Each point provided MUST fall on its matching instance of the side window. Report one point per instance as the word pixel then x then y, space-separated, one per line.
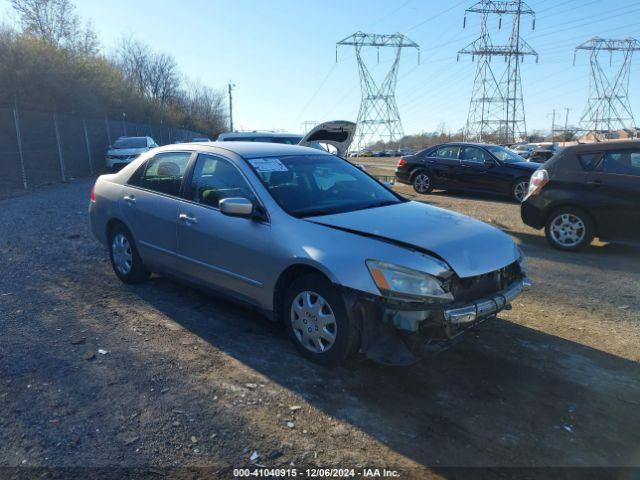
pixel 447 152
pixel 473 154
pixel 214 179
pixel 165 171
pixel 623 162
pixel 589 161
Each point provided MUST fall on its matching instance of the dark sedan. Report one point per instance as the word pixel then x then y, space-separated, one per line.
pixel 467 167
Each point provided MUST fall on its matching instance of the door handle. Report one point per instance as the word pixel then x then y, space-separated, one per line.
pixel 185 217
pixel 594 182
pixel 431 162
pixel 130 199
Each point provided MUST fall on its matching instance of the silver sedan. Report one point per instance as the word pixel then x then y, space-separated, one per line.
pixel 310 240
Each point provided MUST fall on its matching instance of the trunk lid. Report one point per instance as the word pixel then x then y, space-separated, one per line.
pixel 338 133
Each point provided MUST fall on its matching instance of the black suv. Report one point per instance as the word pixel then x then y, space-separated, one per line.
pixel 585 191
pixel 467 166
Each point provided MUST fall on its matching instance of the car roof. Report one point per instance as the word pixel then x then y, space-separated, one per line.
pixel 258 134
pixel 249 149
pixel 612 145
pixel 467 144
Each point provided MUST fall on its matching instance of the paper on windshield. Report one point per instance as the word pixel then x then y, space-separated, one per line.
pixel 265 165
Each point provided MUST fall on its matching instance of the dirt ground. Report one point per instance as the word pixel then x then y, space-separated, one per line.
pixel 158 376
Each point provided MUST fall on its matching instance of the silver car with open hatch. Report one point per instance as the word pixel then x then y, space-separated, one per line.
pixel 310 240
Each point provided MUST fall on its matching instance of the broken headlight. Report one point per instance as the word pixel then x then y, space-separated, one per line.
pixel 396 281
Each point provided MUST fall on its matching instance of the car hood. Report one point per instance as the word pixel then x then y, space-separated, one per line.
pixel 126 151
pixel 469 246
pixel 524 165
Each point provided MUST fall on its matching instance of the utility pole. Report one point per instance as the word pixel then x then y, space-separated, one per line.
pixel 496 110
pixel 608 108
pixel 378 117
pixel 553 125
pixel 231 87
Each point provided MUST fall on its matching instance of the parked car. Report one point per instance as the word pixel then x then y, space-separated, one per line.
pixel 310 240
pixel 200 139
pixel 337 134
pixel 524 150
pixel 127 149
pixel 586 191
pixel 540 155
pixel 467 167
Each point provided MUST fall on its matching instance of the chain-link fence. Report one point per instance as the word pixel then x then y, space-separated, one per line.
pixel 39 148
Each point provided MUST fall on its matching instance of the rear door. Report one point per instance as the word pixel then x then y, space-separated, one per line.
pixel 229 253
pixel 149 205
pixel 614 191
pixel 337 133
pixel 442 163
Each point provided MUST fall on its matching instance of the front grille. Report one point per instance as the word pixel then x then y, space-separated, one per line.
pixel 475 288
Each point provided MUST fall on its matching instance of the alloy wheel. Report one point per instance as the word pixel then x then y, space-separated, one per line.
pixel 422 182
pixel 568 230
pixel 520 190
pixel 122 253
pixel 313 321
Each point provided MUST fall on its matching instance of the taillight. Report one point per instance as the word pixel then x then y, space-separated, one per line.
pixel 538 180
pixel 92 197
pixel 402 162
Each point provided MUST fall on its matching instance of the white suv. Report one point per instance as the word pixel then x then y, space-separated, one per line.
pixel 127 149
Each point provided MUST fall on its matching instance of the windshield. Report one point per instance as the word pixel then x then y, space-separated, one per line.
pixel 505 155
pixel 131 142
pixel 311 185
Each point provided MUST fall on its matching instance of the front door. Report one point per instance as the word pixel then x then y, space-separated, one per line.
pixel 219 250
pixel 614 191
pixel 472 173
pixel 150 207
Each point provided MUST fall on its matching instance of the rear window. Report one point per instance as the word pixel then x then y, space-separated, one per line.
pixel 589 161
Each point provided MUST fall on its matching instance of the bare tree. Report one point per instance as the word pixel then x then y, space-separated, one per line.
pixel 155 75
pixel 55 22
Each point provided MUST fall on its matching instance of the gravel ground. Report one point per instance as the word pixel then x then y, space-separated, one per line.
pixel 94 373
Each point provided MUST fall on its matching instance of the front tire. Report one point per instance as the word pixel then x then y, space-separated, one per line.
pixel 125 260
pixel 422 182
pixel 317 322
pixel 569 229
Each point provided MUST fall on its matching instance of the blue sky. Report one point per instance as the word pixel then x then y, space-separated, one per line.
pixel 281 53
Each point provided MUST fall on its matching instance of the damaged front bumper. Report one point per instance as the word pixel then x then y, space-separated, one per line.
pixel 401 333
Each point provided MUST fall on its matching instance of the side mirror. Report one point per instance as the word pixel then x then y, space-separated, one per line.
pixel 489 163
pixel 236 207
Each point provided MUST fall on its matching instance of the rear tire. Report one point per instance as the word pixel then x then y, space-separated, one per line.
pixel 125 260
pixel 317 322
pixel 421 182
pixel 569 229
pixel 519 189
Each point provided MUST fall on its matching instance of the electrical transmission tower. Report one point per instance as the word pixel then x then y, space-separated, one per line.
pixel 608 108
pixel 496 110
pixel 378 117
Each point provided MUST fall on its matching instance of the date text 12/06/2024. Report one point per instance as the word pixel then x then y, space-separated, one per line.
pixel 316 473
